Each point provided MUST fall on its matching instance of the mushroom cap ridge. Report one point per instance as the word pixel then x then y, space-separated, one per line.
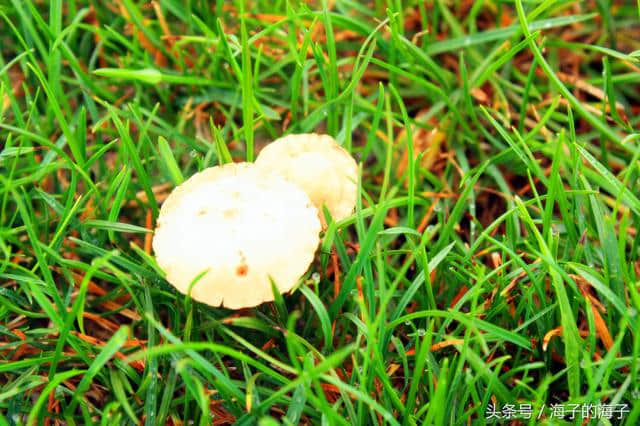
pixel 240 225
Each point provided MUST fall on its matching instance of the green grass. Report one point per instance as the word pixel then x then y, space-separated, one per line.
pixel 493 258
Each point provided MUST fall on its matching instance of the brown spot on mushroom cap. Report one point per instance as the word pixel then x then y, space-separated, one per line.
pixel 242 270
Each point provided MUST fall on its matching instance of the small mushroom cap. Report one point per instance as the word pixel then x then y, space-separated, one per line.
pixel 240 225
pixel 316 163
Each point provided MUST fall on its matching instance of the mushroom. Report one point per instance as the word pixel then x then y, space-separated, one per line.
pixel 226 232
pixel 316 163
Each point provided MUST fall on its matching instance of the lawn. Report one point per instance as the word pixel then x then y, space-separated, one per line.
pixel 490 272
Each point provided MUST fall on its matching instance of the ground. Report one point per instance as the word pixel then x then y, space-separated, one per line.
pixel 489 274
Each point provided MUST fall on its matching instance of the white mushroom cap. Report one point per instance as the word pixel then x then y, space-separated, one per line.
pixel 240 224
pixel 316 163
